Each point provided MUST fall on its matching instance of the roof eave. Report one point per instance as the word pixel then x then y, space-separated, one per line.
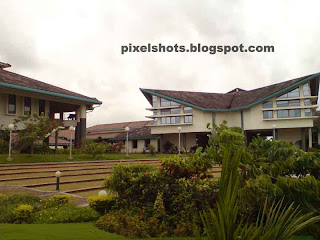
pixel 54 94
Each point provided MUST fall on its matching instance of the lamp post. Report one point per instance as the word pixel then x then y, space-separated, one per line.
pixel 179 130
pixel 102 193
pixel 274 131
pixel 127 142
pixel 11 127
pixel 71 128
pixel 58 175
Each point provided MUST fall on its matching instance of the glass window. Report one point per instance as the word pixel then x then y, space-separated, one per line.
pixel 155 121
pixel 175 120
pixel 12 104
pixel 155 112
pixel 165 120
pixel 154 101
pixel 291 94
pixel 165 111
pixel 268 104
pixel 175 111
pixel 290 103
pixel 307 102
pixel 172 103
pixel 164 102
pixel 267 114
pixel 134 143
pixel 27 106
pixel 307 112
pixel 188 119
pixel 42 107
pixel 306 90
pixel 187 110
pixel 295 113
pixel 147 142
pixel 283 113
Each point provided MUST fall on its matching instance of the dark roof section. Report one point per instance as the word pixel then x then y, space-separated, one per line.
pixel 232 100
pixel 138 133
pixel 16 81
pixel 4 65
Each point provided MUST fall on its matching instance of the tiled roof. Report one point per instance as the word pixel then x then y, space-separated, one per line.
pixel 116 131
pixel 235 99
pixel 10 78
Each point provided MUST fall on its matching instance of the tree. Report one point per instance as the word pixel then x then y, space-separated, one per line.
pixel 35 128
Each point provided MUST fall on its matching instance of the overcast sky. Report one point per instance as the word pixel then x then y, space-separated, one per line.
pixel 77 45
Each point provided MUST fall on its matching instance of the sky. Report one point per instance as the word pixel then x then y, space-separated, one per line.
pixel 77 45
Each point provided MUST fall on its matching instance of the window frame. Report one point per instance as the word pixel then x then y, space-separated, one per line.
pixel 24 106
pixel 189 110
pixel 267 111
pixel 267 102
pixel 39 105
pixel 134 144
pixel 15 104
pixel 188 117
pixel 287 95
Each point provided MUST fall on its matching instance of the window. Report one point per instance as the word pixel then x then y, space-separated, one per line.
pixel 175 120
pixel 134 143
pixel 187 110
pixel 307 102
pixel 267 114
pixel 155 121
pixel 165 112
pixel 188 119
pixel 155 112
pixel 164 102
pixel 175 111
pixel 295 113
pixel 283 113
pixel 290 103
pixel 165 120
pixel 291 94
pixel 289 113
pixel 42 107
pixel 12 104
pixel 147 143
pixel 268 104
pixel 307 112
pixel 306 90
pixel 27 106
pixel 154 101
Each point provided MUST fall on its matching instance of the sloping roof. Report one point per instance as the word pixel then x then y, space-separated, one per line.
pixel 116 131
pixel 231 101
pixel 16 81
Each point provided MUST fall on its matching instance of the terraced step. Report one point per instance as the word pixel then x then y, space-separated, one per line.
pixel 64 182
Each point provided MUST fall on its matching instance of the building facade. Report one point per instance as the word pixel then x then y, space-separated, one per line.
pixel 285 111
pixel 20 95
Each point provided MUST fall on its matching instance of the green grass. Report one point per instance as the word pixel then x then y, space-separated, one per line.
pixel 37 158
pixel 70 231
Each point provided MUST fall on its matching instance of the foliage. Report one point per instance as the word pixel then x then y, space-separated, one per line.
pixel 123 224
pixel 117 147
pixel 4 146
pixel 23 213
pixel 35 128
pixel 101 204
pixel 95 148
pixel 66 214
pixel 152 149
pixel 168 147
pixel 275 222
pixel 61 199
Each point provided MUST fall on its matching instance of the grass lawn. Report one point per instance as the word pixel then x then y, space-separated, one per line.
pixel 37 158
pixel 71 231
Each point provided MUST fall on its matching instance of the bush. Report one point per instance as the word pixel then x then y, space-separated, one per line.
pixel 4 146
pixel 152 150
pixel 62 199
pixel 66 214
pixel 124 224
pixel 101 204
pixel 95 148
pixel 23 213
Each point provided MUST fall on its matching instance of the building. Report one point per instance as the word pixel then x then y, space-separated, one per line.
pixel 139 135
pixel 285 110
pixel 21 95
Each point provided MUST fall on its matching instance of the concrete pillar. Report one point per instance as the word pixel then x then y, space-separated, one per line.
pixel 77 129
pixel 310 139
pixel 83 125
pixel 303 139
pixel 56 135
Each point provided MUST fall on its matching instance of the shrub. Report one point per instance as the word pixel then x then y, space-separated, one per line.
pixel 66 214
pixel 3 146
pixel 101 204
pixel 152 150
pixel 62 199
pixel 117 147
pixel 23 213
pixel 95 148
pixel 123 223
